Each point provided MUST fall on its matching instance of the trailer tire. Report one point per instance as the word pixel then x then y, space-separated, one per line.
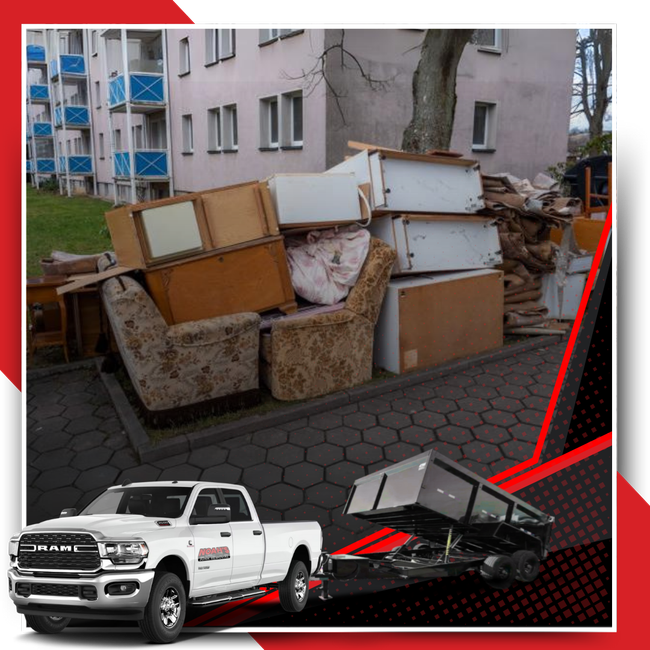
pixel 164 614
pixel 498 571
pixel 47 624
pixel 527 565
pixel 294 589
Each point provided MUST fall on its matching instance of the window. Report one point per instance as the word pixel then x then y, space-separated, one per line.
pixel 101 146
pixel 93 42
pixel 137 137
pixel 268 35
pixel 269 123
pixel 117 134
pixel 239 510
pixel 292 120
pixel 484 134
pixel 214 129
pixel 157 131
pixel 98 95
pixel 219 45
pixel 285 33
pixel 489 40
pixel 230 139
pixel 184 56
pixel 188 134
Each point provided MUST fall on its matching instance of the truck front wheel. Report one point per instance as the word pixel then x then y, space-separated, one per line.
pixel 294 589
pixel 164 614
pixel 47 624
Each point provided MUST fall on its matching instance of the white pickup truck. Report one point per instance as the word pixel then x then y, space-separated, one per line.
pixel 145 551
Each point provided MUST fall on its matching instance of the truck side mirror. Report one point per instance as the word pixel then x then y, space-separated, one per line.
pixel 68 512
pixel 217 513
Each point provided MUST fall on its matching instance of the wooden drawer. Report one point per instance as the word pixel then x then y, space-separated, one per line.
pixel 253 277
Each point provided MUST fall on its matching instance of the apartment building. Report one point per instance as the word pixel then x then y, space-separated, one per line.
pixel 136 114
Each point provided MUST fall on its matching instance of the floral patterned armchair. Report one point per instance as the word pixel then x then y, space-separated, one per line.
pixel 213 362
pixel 306 357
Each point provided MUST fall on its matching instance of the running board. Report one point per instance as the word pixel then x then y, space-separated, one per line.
pixel 215 599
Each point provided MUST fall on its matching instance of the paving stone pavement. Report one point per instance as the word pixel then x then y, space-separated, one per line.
pixel 487 418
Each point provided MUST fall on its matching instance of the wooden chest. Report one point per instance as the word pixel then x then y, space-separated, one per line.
pixel 244 278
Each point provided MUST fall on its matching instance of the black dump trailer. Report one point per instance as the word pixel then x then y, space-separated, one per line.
pixel 457 522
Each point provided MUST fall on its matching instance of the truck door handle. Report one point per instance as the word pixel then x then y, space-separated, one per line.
pixel 225 534
pixel 257 532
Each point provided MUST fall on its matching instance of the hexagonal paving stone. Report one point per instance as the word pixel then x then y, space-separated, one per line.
pixel 46 411
pixel 85 424
pixel 222 474
pixel 450 392
pixel 483 452
pixel 349 522
pixel 344 473
pixel 268 515
pixel 464 419
pixel 502 465
pixel 51 442
pixel 183 472
pixel 528 358
pixel 238 441
pixel 518 450
pixel 308 512
pixel 324 421
pixel 364 453
pixel 407 405
pixel 343 436
pixel 429 419
pixel 260 476
pixel 247 456
pixel 208 457
pixel 416 435
pixel 462 381
pixel 375 406
pixel 515 392
pixel 527 432
pixel 97 477
pixel 139 474
pixel 295 424
pixel 359 421
pixel 325 454
pixel 452 452
pixel 346 410
pixel 473 404
pixel 441 405
pixel 482 470
pixel 281 497
pixel 392 395
pixel 401 451
pixel 53 459
pixel 525 369
pixel 286 455
pixel 394 420
pixel 531 416
pixel 53 479
pixel 506 404
pixel 124 459
pixel 380 436
pixel 79 411
pixel 306 437
pixel 326 495
pixel 53 501
pixel 492 381
pixel 520 380
pixel 499 418
pixel 92 458
pixel 111 425
pixel 536 402
pixel 491 433
pixel 269 438
pixel 453 435
pixel 482 392
pixel 171 461
pixel 498 369
pixel 542 390
pixel 546 378
pixel 376 467
pixel 303 475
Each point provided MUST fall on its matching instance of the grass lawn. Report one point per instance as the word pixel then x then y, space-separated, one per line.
pixel 73 225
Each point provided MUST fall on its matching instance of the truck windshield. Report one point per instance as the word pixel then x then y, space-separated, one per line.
pixel 162 501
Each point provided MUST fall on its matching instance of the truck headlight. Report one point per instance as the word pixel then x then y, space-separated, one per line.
pixel 124 552
pixel 13 547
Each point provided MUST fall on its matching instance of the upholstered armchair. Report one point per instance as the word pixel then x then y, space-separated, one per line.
pixel 306 357
pixel 211 362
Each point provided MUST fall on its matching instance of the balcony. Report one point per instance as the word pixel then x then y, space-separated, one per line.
pixel 42 130
pixel 70 65
pixel 76 165
pixel 147 92
pixel 43 166
pixel 39 93
pixel 149 164
pixel 72 117
pixel 36 54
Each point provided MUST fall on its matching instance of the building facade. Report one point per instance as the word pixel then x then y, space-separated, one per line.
pixel 143 114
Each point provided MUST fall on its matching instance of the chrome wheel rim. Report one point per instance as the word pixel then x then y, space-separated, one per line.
pixel 300 586
pixel 55 619
pixel 170 607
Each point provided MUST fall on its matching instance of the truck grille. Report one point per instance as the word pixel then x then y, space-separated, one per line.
pixel 85 592
pixel 78 551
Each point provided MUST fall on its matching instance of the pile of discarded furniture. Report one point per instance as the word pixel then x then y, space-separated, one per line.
pixel 306 281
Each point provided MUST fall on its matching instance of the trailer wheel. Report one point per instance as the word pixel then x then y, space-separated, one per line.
pixel 294 589
pixel 527 565
pixel 498 571
pixel 47 624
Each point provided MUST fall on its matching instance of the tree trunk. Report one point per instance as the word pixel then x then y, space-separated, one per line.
pixel 434 90
pixel 602 62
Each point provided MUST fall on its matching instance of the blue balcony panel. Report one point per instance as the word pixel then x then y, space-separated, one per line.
pixel 42 129
pixel 46 166
pixel 151 164
pixel 145 88
pixel 116 91
pixel 39 93
pixel 121 163
pixel 35 54
pixel 28 166
pixel 75 164
pixel 73 65
pixel 75 117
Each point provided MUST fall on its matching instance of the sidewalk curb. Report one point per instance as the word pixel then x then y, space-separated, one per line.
pixel 42 373
pixel 148 453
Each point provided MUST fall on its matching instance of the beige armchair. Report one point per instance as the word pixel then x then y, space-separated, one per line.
pixel 306 357
pixel 212 362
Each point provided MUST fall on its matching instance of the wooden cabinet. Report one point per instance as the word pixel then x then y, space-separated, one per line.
pixel 432 319
pixel 247 277
pixel 150 234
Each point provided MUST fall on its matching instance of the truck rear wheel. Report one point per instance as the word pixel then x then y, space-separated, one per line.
pixel 47 624
pixel 164 614
pixel 294 589
pixel 498 571
pixel 527 565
